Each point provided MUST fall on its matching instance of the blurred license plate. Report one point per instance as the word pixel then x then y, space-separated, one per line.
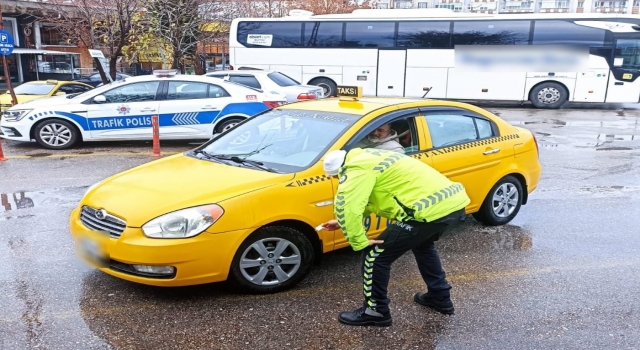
pixel 92 251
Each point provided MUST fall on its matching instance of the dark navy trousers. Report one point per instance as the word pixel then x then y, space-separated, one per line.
pixel 400 237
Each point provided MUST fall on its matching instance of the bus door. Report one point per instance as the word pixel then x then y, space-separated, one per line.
pixel 624 85
pixel 391 72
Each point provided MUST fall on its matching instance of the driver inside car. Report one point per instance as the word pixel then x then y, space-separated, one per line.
pixel 382 138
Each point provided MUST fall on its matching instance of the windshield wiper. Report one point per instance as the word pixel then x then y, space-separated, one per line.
pixel 247 155
pixel 235 159
pixel 247 161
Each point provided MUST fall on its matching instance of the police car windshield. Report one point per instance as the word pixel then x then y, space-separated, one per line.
pixel 285 140
pixel 33 89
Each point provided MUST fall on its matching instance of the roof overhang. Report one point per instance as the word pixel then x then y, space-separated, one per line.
pixel 41 52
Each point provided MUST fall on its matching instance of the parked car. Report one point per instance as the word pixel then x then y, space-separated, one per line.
pixel 190 107
pixel 272 81
pixel 95 79
pixel 243 206
pixel 33 90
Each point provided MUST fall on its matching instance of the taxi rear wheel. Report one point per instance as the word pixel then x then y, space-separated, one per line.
pixel 273 259
pixel 56 134
pixel 503 202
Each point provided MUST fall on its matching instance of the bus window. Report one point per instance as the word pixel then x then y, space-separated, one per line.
pixel 323 34
pixel 431 35
pixel 370 34
pixel 282 34
pixel 627 54
pixel 491 32
pixel 556 32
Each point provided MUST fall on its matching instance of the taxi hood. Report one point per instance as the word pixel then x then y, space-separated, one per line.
pixel 173 183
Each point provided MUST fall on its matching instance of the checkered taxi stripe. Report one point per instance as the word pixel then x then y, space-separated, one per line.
pixel 309 181
pixel 454 148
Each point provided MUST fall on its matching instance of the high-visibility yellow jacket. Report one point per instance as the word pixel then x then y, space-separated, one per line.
pixel 394 186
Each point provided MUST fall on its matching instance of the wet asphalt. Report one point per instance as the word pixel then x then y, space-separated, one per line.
pixel 564 274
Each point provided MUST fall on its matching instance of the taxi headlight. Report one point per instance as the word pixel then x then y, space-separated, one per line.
pixel 183 223
pixel 15 115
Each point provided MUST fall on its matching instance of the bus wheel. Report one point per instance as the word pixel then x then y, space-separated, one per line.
pixel 328 86
pixel 548 95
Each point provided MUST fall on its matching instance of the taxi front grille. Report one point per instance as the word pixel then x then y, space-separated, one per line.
pixel 100 220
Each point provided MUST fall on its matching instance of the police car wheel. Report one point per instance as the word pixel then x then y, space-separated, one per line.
pixel 56 134
pixel 273 259
pixel 228 124
pixel 503 202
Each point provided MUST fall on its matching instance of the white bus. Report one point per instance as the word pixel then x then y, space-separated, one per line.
pixel 401 52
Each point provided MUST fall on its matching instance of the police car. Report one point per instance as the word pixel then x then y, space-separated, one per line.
pixel 187 106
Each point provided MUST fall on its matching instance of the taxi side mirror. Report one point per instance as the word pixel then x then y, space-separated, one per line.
pixel 100 99
pixel 59 93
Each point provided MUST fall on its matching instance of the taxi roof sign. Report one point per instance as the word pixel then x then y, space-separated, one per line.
pixel 165 72
pixel 354 92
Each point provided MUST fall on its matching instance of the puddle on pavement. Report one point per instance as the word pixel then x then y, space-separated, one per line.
pixel 615 149
pixel 609 189
pixel 16 202
pixel 473 236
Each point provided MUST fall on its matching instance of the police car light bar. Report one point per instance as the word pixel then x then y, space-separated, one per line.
pixel 353 92
pixel 165 72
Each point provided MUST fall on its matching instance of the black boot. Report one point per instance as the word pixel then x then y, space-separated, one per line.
pixel 365 317
pixel 443 306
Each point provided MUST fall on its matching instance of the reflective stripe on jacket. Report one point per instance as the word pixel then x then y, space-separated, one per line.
pixel 393 186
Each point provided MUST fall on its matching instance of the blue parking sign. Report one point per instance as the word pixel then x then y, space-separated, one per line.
pixel 6 43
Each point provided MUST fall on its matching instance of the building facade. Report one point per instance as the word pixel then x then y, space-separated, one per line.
pixel 40 50
pixel 519 6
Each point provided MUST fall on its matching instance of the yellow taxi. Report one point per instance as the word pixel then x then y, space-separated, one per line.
pixel 245 205
pixel 42 88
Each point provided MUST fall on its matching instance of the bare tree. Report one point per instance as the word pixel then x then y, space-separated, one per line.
pixel 96 24
pixel 324 7
pixel 184 26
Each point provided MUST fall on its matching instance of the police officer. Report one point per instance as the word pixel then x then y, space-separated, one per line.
pixel 420 201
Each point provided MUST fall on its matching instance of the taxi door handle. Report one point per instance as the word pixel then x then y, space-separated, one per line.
pixel 495 150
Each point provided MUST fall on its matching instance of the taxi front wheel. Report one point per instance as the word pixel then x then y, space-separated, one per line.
pixel 272 259
pixel 502 203
pixel 56 134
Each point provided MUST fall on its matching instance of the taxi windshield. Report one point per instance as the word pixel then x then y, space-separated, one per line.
pixel 284 140
pixel 33 89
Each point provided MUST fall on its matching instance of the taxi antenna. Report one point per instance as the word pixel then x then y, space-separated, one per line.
pixel 426 90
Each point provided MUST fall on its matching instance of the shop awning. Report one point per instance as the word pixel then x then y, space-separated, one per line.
pixel 41 52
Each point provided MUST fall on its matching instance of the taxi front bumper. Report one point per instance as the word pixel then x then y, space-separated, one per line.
pixel 205 258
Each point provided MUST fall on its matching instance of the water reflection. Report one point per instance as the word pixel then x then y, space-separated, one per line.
pixel 473 236
pixel 25 200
